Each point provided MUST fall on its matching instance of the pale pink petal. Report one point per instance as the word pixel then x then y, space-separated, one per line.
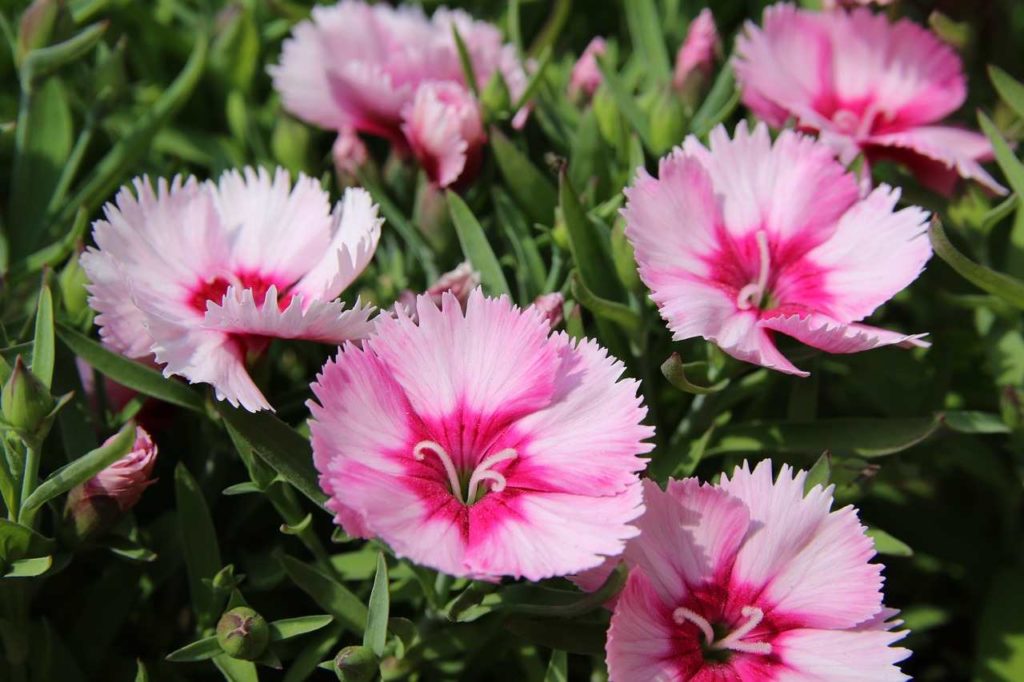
pixel 444 129
pixel 641 640
pixel 323 321
pixel 354 233
pixel 586 74
pixel 689 535
pixel 586 440
pixel 810 564
pixel 265 215
pixel 551 534
pixel 944 155
pixel 875 252
pixel 487 360
pixel 349 152
pixel 832 336
pixel 840 656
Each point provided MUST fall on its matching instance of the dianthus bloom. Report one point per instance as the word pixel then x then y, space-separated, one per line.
pixel 835 4
pixel 867 86
pixel 753 581
pixel 114 490
pixel 696 57
pixel 750 238
pixel 475 443
pixel 392 72
pixel 200 275
pixel 586 73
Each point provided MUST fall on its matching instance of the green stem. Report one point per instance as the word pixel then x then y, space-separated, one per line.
pixel 291 513
pixel 29 481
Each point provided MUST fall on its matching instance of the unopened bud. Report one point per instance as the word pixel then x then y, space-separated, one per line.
pixel 35 26
pixel 696 58
pixel 72 282
pixel 586 73
pixel 550 305
pixel 356 664
pixel 668 121
pixel 349 154
pixel 26 402
pixel 96 504
pixel 243 633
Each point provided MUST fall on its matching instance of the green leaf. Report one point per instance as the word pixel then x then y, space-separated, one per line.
pixel 475 246
pixel 820 473
pixel 42 342
pixel 242 489
pixel 887 544
pixel 29 568
pixel 130 373
pixel 81 469
pixel 531 189
pixel 235 670
pixel 375 636
pixel 612 311
pixel 296 627
pixel 409 233
pixel 279 445
pixel 1009 289
pixel 592 260
pixel 556 21
pixel 844 436
pixel 675 370
pixel 964 421
pixel 716 107
pixel 535 80
pixel 200 650
pixel 1010 90
pixel 466 62
pixel 18 542
pixel 44 61
pixel 1000 653
pixel 141 674
pixel 332 596
pixel 625 101
pixel 648 39
pixel 110 171
pixel 199 546
pixel 584 637
pixel 1012 168
pixel 129 549
pixel 558 668
pixel 42 142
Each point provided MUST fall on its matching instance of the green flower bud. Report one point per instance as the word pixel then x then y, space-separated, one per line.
pixel 26 402
pixel 243 633
pixel 623 259
pixel 72 282
pixel 668 121
pixel 356 664
pixel 609 120
pixel 35 26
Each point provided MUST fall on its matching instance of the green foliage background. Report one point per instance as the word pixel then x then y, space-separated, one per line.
pixel 929 444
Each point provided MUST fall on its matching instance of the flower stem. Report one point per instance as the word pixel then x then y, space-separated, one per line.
pixel 29 480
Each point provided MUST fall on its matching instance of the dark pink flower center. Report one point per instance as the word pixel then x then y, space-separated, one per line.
pixel 719 643
pixel 467 485
pixel 215 289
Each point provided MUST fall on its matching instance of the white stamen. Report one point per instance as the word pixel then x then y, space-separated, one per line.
pixel 732 641
pixel 481 473
pixel 752 294
pixel 446 461
pixel 683 614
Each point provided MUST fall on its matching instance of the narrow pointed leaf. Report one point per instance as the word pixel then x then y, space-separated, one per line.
pixel 648 39
pixel 331 595
pixel 888 545
pixel 1008 288
pixel 534 192
pixel 295 627
pixel 29 568
pixel 612 311
pixel 1010 90
pixel 130 373
pixel 199 546
pixel 375 636
pixel 200 650
pixel 475 246
pixel 558 668
pixel 675 370
pixel 592 260
pixel 42 342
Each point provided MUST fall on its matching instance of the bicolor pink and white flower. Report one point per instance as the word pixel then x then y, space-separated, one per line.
pixel 364 67
pixel 200 275
pixel 125 480
pixel 695 60
pixel 476 443
pixel 751 580
pixel 586 73
pixel 866 86
pixel 751 237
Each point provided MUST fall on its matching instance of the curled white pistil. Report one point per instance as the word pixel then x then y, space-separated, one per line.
pixel 753 294
pixel 734 640
pixel 482 472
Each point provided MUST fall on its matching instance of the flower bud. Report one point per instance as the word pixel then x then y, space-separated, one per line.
pixel 72 282
pixel 26 403
pixel 349 154
pixel 696 58
pixel 550 305
pixel 586 73
pixel 459 282
pixel 243 633
pixel 35 27
pixel 94 505
pixel 356 664
pixel 609 119
pixel 668 121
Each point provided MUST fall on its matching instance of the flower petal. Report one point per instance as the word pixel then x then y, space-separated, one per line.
pixel 840 656
pixel 832 336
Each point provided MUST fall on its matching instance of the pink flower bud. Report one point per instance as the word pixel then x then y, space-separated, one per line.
pixel 459 282
pixel 349 153
pixel 696 57
pixel 550 305
pixel 837 4
pixel 586 74
pixel 445 130
pixel 113 491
